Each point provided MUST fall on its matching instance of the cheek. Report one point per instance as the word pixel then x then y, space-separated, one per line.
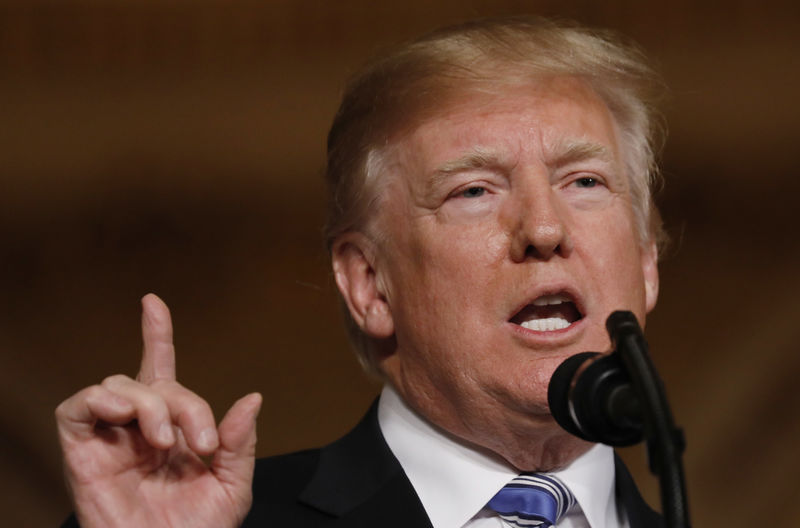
pixel 456 258
pixel 613 250
pixel 441 285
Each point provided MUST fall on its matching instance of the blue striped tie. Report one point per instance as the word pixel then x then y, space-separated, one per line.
pixel 532 499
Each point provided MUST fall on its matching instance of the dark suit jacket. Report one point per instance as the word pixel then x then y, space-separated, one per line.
pixel 356 481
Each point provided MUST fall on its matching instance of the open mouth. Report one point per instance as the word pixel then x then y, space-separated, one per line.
pixel 548 313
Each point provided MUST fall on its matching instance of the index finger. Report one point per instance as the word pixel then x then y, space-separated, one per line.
pixel 158 356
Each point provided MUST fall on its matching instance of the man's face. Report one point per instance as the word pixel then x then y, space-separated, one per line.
pixel 508 239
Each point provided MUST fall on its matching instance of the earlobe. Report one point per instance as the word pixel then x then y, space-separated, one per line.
pixel 650 273
pixel 357 280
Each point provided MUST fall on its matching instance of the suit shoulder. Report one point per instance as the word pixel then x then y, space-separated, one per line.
pixel 284 474
pixel 277 483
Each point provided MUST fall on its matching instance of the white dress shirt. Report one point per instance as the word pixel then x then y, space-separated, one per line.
pixel 454 481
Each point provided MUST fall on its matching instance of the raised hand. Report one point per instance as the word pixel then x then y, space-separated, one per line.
pixel 132 448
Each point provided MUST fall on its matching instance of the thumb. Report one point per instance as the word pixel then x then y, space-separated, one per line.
pixel 234 460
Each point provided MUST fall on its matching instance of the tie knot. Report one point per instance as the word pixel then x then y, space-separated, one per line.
pixel 532 499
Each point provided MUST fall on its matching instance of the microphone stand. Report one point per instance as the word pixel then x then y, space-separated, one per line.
pixel 665 442
pixel 617 399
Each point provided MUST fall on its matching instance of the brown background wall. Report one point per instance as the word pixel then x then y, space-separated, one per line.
pixel 176 147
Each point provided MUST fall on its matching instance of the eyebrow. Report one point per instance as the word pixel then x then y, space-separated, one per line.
pixel 478 158
pixel 574 151
pixel 566 152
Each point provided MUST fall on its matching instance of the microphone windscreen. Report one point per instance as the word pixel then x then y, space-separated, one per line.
pixel 558 392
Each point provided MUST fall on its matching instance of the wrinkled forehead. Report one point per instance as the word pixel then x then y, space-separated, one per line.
pixel 552 118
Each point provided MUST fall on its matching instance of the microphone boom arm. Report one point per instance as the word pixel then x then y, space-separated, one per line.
pixel 665 442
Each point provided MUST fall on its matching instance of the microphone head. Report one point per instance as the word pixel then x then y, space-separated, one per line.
pixel 559 392
pixel 591 397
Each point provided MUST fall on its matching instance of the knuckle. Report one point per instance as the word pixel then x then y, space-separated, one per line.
pixel 76 406
pixel 115 380
pixel 196 406
pixel 63 408
pixel 94 392
pixel 181 400
pixel 153 405
pixel 60 411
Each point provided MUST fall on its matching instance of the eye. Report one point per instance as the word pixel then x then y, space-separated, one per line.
pixel 474 192
pixel 587 190
pixel 586 182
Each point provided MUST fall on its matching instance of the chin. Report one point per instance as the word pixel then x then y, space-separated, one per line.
pixel 551 454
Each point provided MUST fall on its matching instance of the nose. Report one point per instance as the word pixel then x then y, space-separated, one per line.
pixel 540 232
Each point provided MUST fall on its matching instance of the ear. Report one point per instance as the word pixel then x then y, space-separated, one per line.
pixel 357 280
pixel 650 273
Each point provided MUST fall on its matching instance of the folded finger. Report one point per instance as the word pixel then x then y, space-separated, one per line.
pixel 77 416
pixel 150 409
pixel 192 414
pixel 162 405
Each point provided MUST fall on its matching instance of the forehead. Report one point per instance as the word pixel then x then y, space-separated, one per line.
pixel 545 119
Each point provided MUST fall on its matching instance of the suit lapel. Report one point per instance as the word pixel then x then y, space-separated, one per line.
pixel 359 481
pixel 639 513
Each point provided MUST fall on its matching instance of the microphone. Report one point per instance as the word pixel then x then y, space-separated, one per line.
pixel 591 396
pixel 618 399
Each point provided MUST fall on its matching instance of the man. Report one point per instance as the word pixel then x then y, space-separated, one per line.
pixel 489 208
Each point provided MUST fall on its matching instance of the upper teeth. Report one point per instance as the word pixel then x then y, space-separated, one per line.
pixel 545 300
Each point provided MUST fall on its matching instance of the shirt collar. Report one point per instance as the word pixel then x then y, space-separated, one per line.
pixel 454 481
pixel 590 477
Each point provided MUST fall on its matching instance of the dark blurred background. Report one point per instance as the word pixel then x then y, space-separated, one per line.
pixel 177 147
